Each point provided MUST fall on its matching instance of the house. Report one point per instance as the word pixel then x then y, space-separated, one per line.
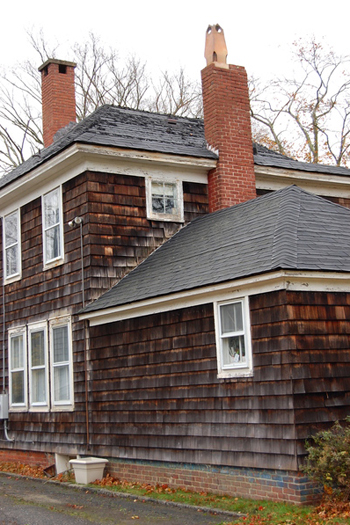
pixel 190 348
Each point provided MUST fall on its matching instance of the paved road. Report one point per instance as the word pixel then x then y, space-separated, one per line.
pixel 26 501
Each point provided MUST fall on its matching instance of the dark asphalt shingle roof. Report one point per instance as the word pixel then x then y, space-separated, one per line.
pixel 287 229
pixel 265 157
pixel 126 128
pixel 140 130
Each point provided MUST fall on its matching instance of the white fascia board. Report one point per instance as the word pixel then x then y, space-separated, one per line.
pixel 279 280
pixel 82 157
pixel 327 185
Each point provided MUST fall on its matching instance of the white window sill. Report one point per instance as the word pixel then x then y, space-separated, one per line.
pixel 13 279
pixel 53 264
pixel 235 374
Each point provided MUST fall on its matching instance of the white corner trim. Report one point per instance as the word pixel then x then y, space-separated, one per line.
pixel 268 282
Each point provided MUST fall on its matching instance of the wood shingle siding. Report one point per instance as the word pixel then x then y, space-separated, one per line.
pixel 154 381
pixel 117 236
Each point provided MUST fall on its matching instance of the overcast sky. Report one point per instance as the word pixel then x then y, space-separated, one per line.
pixel 171 34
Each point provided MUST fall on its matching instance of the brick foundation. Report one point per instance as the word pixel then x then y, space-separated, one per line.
pixel 292 487
pixel 274 485
pixel 27 457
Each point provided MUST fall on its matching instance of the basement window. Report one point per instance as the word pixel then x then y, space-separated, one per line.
pixel 164 200
pixel 234 354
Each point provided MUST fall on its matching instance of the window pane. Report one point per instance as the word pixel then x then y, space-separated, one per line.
pixel 38 386
pixel 11 260
pixel 53 244
pixel 61 383
pixel 52 209
pixel 233 350
pixel 231 318
pixel 60 344
pixel 17 352
pixel 163 197
pixel 11 229
pixel 37 341
pixel 17 385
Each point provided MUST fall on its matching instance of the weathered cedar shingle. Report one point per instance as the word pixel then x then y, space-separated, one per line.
pixel 287 229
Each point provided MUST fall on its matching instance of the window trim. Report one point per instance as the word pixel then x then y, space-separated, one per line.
pixel 14 332
pixel 38 406
pixel 69 403
pixel 176 217
pixel 239 370
pixel 17 275
pixel 50 263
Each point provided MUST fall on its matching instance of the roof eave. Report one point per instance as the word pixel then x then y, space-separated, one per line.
pixel 257 284
pixel 79 157
pixel 270 178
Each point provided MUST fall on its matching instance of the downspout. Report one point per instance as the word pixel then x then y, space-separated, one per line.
pixel 78 221
pixel 86 349
pixel 3 350
pixel 3 337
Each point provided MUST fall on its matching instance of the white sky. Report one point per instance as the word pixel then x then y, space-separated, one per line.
pixel 169 34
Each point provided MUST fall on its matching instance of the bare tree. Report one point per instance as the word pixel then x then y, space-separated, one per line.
pixel 101 78
pixel 307 116
pixel 177 94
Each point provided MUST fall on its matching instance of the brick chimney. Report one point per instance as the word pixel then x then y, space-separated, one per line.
pixel 58 97
pixel 227 125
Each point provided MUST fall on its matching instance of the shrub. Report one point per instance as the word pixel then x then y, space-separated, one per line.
pixel 328 460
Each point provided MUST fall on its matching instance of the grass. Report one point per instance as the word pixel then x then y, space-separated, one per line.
pixel 253 512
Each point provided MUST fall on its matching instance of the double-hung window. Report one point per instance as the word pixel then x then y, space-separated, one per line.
pixel 12 245
pixel 18 368
pixel 233 339
pixel 164 200
pixel 52 227
pixel 38 370
pixel 61 364
pixel 41 366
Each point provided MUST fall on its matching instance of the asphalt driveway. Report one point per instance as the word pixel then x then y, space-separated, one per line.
pixel 25 501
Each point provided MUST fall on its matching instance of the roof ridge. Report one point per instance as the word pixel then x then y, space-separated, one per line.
pixel 285 236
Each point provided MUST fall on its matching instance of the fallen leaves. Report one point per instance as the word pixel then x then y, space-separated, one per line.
pixel 23 470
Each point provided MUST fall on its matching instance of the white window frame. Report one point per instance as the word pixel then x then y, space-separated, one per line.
pixel 49 263
pixel 239 369
pixel 16 332
pixel 178 215
pixel 17 274
pixel 66 404
pixel 38 405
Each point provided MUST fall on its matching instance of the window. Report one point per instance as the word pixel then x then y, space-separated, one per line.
pixel 164 200
pixel 233 339
pixel 35 386
pixel 17 368
pixel 38 375
pixel 12 247
pixel 61 365
pixel 52 227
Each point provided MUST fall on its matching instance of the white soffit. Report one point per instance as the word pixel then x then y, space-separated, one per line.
pixel 79 158
pixel 323 184
pixel 269 282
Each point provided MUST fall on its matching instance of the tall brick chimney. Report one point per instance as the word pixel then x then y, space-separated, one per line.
pixel 58 97
pixel 227 125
